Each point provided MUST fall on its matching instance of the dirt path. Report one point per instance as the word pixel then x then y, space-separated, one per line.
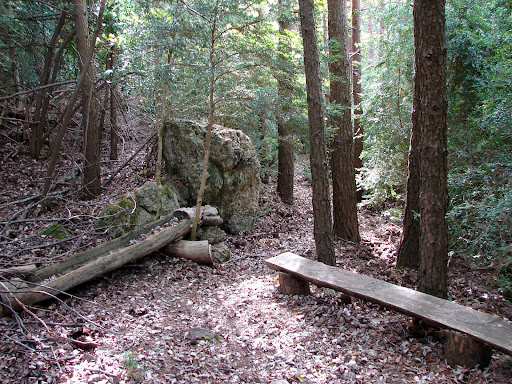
pixel 171 321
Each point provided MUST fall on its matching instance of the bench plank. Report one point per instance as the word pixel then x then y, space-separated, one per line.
pixel 484 327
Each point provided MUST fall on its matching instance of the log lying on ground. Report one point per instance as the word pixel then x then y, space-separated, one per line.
pixel 85 266
pixel 81 258
pixel 197 251
pixel 23 271
pixel 33 294
pixel 209 216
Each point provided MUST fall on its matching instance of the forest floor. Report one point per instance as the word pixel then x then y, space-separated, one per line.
pixel 165 320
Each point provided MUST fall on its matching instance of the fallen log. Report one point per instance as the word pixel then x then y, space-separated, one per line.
pixel 34 293
pixel 23 271
pixel 82 258
pixel 209 216
pixel 197 251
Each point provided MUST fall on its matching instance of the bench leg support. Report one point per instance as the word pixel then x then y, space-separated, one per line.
pixel 465 351
pixel 289 285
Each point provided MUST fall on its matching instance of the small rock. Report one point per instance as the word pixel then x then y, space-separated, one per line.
pixel 196 334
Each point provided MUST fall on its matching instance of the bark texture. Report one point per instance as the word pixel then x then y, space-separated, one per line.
pixel 430 105
pixel 114 136
pixel 409 250
pixel 324 238
pixel 342 164
pixel 197 251
pixel 91 178
pixel 465 351
pixel 18 296
pixel 356 88
pixel 289 285
pixel 285 165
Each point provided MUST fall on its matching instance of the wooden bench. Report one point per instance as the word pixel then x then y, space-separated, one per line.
pixel 484 330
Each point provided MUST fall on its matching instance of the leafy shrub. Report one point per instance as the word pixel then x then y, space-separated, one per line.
pixel 480 216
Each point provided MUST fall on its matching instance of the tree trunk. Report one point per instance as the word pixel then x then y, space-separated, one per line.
pixel 91 173
pixel 285 164
pixel 409 250
pixel 68 114
pixel 430 105
pixel 466 351
pixel 81 258
pixel 324 238
pixel 211 120
pixel 114 135
pixel 342 158
pixel 356 88
pixel 36 136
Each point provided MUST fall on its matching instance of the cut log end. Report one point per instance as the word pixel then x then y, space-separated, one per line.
pixel 289 285
pixel 197 251
pixel 466 351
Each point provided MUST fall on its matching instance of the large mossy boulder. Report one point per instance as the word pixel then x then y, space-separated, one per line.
pixel 233 181
pixel 135 210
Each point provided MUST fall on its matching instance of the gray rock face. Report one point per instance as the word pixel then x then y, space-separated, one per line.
pixel 147 197
pixel 233 181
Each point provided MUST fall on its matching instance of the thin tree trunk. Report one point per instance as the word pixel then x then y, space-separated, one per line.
pixel 56 69
pixel 104 108
pixel 342 158
pixel 324 238
pixel 70 107
pixel 36 136
pixel 211 119
pixel 114 135
pixel 285 165
pixel 430 104
pixel 356 88
pixel 91 172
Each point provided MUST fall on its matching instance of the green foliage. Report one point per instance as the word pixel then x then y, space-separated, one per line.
pixel 479 41
pixel 57 231
pixel 26 27
pixel 480 117
pixel 134 369
pixel 505 279
pixel 387 99
pixel 480 54
pixel 480 216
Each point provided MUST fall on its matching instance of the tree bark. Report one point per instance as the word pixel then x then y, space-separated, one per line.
pixel 114 135
pixel 55 148
pixel 409 249
pixel 91 172
pixel 356 88
pixel 290 285
pixel 36 136
pixel 285 165
pixel 81 258
pixel 430 105
pixel 466 351
pixel 323 233
pixel 197 251
pixel 342 158
pixel 95 268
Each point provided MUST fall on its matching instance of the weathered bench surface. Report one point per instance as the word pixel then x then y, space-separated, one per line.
pixel 489 329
